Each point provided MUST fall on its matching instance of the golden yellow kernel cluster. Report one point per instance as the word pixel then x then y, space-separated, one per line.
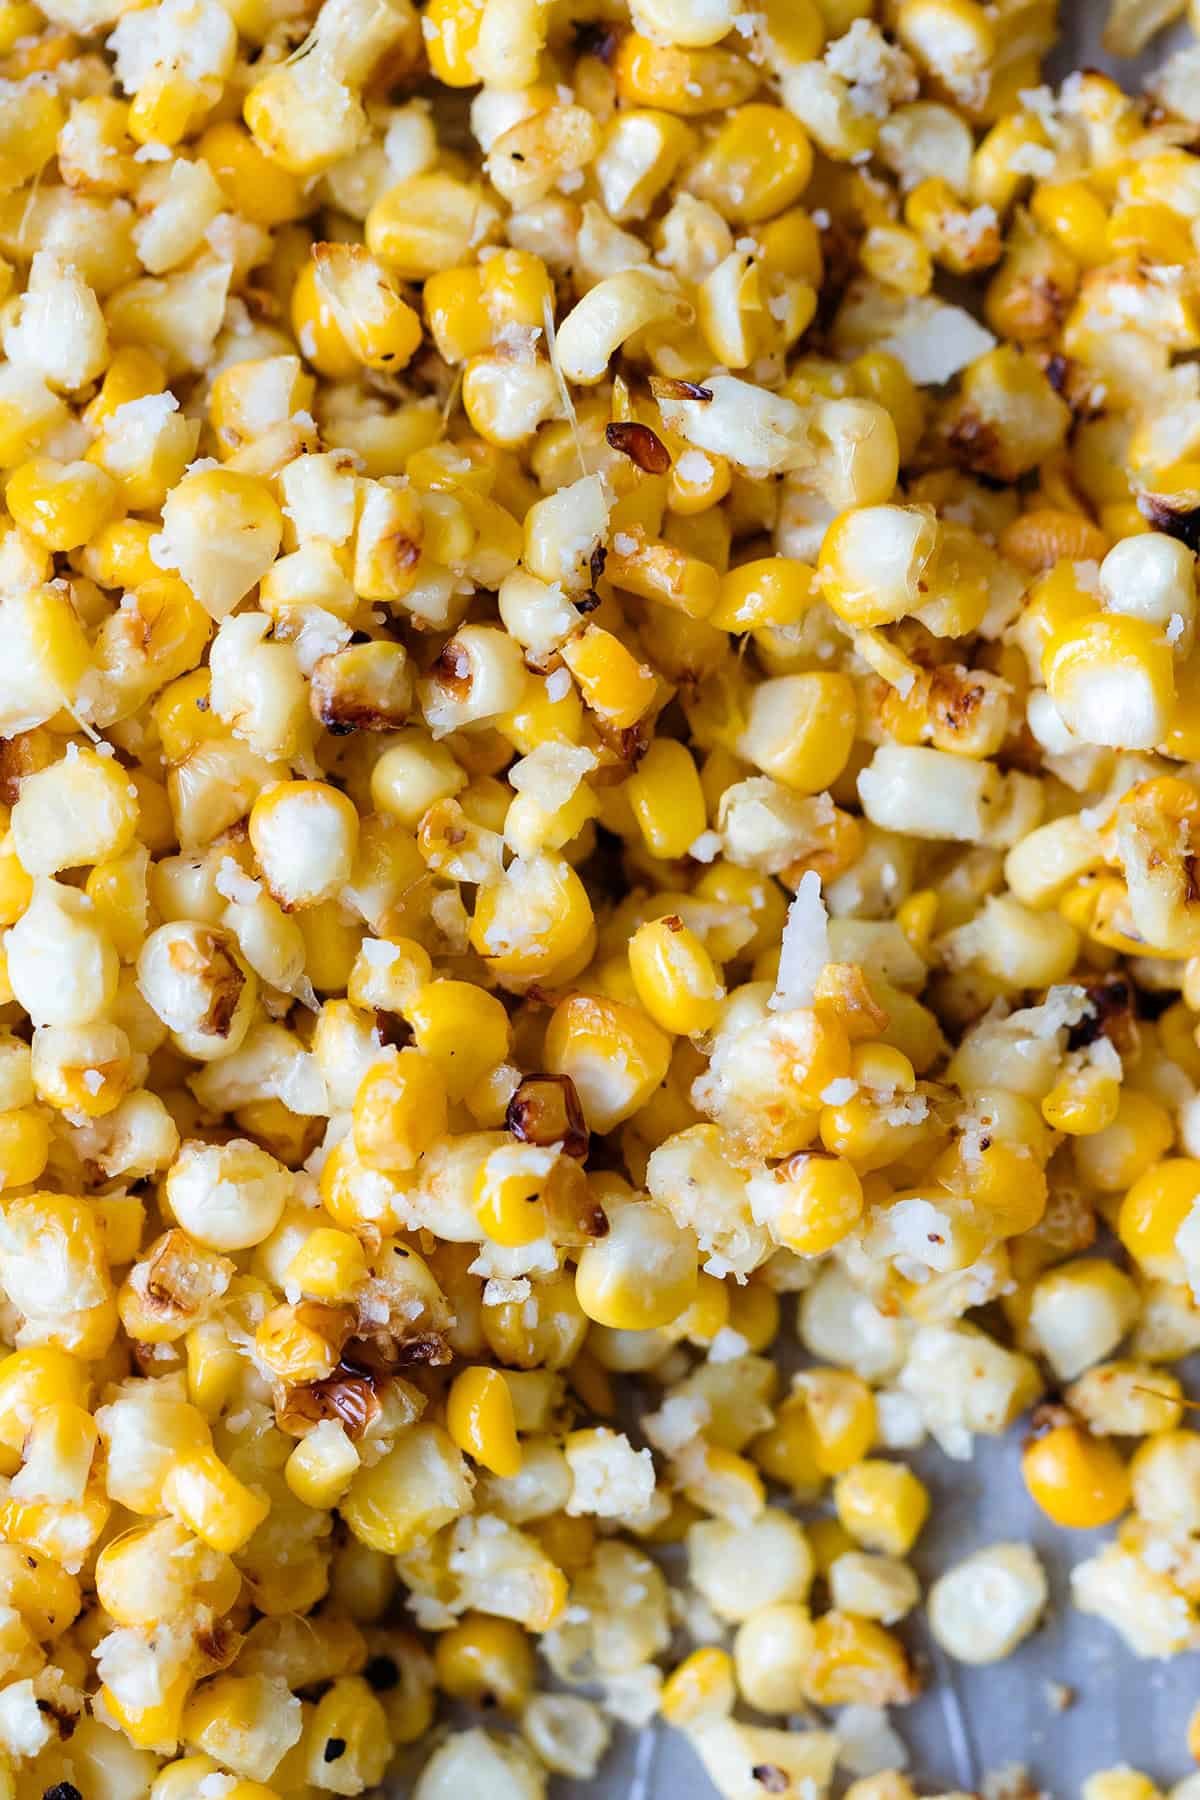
pixel 599 763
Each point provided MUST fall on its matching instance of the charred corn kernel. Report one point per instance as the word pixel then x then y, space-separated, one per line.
pixel 882 1505
pixel 301 1342
pixel 674 976
pixel 700 1687
pixel 480 1419
pixel 1077 1480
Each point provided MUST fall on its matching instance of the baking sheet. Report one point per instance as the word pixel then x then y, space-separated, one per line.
pixel 975 1723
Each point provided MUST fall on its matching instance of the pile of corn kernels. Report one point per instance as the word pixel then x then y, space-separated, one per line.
pixel 599 680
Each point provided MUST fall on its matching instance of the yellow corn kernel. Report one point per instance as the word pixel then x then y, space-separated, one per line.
pixel 613 1053
pixel 254 186
pixel 1073 213
pixel 208 1498
pixel 419 1486
pixel 213 1367
pixel 642 1275
pixel 24 1146
pixel 674 976
pixel 690 82
pixel 841 1412
pixel 708 1314
pixel 480 1420
pixel 61 505
pixel 428 222
pixel 33 1379
pixel 1079 663
pixel 1152 1211
pixel 659 571
pixel 16 886
pixel 882 377
pixel 1141 228
pixel 1082 1102
pixel 462 1029
pixel 155 1727
pixel 29 126
pixel 773 591
pixel 317 331
pixel 1078 1480
pixel 485 1661
pixel 883 1505
pixel 452 34
pixel 507 1196
pixel 535 922
pixel 459 322
pixel 898 258
pixel 329 1265
pixel 787 1450
pixel 380 327
pixel 754 1313
pixel 700 1687
pixel 322 1466
pixel 854 1661
pixel 166 109
pixel 667 799
pixel 758 164
pixel 809 1202
pixel 399 1110
pixel 950 230
pixel 613 682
